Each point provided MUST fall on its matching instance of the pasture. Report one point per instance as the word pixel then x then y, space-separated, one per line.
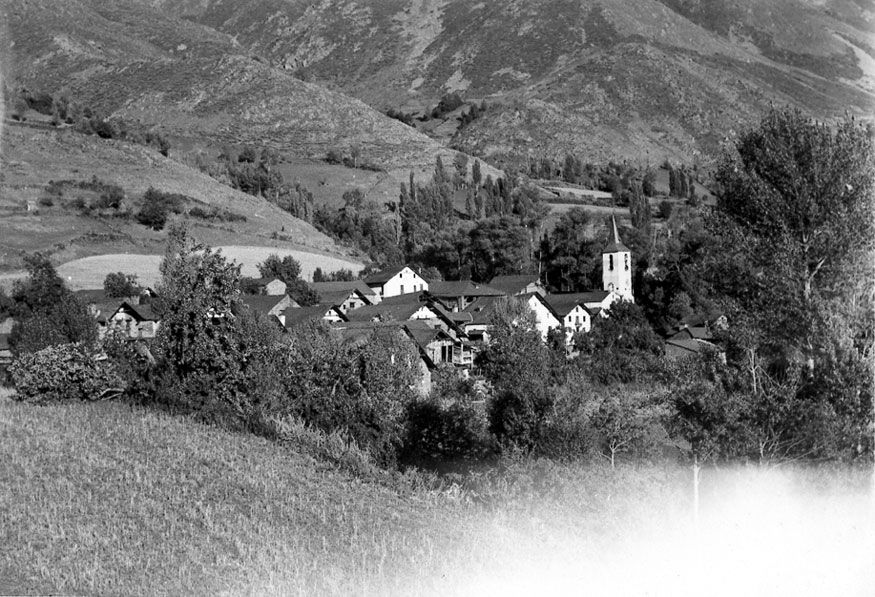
pixel 89 272
pixel 108 499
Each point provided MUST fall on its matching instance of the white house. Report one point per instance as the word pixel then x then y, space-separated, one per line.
pixel 546 317
pixel 571 307
pixel 397 281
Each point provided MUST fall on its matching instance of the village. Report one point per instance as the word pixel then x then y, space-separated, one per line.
pixel 447 321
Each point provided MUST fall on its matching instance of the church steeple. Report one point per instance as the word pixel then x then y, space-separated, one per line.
pixel 617 266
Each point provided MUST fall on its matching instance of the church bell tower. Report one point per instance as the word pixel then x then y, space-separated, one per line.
pixel 617 266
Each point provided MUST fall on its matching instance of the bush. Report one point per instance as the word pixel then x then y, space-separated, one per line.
pixel 62 372
pixel 437 432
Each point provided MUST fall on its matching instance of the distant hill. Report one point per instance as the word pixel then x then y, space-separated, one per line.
pixel 606 79
pixel 34 155
pixel 199 87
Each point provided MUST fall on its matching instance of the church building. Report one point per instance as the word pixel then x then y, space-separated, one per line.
pixel 617 267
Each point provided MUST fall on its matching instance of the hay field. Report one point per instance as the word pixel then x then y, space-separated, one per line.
pixel 104 498
pixel 89 272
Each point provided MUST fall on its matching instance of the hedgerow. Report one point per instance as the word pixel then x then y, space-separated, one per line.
pixel 63 372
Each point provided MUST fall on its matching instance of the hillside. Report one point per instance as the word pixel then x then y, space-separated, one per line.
pixel 199 87
pixel 32 156
pixel 108 499
pixel 606 79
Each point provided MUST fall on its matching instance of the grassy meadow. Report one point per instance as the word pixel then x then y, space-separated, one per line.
pixel 108 499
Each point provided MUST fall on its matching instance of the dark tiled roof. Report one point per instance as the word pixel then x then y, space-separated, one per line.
pixel 263 303
pixel 384 276
pixel 594 296
pixel 693 333
pixel 140 312
pixel 300 315
pixel 324 288
pixel 462 288
pixel 338 297
pixel 511 285
pixel 482 308
pixel 564 304
pixel 397 308
pixel 616 245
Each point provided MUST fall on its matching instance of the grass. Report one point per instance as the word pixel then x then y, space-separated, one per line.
pixel 107 499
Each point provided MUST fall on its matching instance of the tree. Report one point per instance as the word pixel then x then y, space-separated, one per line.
pixel 120 284
pixel 621 347
pixel 499 246
pixel 198 350
pixel 288 270
pixel 47 313
pixel 518 364
pixel 476 174
pixel 623 420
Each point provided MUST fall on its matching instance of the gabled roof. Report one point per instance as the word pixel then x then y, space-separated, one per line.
pixel 594 296
pixel 296 316
pixel 528 296
pixel 462 288
pixel 511 285
pixel 266 281
pixel 338 297
pixel 263 303
pixel 324 288
pixel 140 312
pixel 565 303
pixel 481 309
pixel 615 246
pixel 693 333
pixel 384 276
pixel 395 308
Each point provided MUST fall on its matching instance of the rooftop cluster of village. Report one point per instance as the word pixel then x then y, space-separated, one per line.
pixel 449 321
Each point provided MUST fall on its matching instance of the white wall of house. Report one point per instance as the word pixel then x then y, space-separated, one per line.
pixel 545 318
pixel 404 282
pixel 578 320
pixel 605 303
pixel 275 288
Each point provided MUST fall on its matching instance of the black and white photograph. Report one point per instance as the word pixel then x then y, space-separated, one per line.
pixel 400 298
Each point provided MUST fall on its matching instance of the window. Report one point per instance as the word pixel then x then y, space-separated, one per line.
pixel 627 262
pixel 402 289
pixel 611 262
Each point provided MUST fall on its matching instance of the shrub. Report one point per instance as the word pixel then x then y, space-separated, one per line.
pixel 436 432
pixel 665 209
pixel 63 372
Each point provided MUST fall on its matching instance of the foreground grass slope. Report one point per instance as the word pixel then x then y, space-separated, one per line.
pixel 103 499
pixel 106 499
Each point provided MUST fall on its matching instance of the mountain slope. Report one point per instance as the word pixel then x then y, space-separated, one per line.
pixel 605 78
pixel 198 86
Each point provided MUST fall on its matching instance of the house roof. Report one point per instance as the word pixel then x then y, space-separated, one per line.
pixel 262 303
pixel 616 245
pixel 691 346
pixel 565 303
pixel 384 276
pixel 540 298
pixel 296 316
pixel 141 312
pixel 324 288
pixel 6 325
pixel 338 297
pixel 594 296
pixel 511 285
pixel 481 309
pixel 266 281
pixel 397 308
pixel 462 288
pixel 693 333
